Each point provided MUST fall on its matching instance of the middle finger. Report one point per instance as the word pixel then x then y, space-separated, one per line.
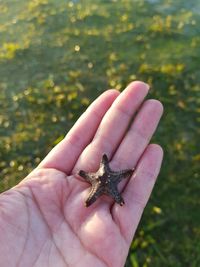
pixel 113 126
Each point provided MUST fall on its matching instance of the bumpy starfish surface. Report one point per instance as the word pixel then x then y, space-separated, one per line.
pixel 105 181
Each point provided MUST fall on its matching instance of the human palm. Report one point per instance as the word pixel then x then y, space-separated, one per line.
pixel 43 220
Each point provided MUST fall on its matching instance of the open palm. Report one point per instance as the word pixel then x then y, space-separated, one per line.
pixel 43 220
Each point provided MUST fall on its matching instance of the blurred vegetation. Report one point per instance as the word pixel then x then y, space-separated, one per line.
pixel 57 56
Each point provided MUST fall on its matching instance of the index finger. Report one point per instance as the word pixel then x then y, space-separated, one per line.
pixel 64 155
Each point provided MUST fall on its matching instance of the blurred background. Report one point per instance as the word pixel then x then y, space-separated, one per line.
pixel 57 56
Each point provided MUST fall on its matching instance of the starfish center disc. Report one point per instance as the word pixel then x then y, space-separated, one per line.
pixel 104 179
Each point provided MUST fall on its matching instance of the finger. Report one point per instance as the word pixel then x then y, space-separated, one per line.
pixel 137 191
pixel 138 136
pixel 64 155
pixel 113 126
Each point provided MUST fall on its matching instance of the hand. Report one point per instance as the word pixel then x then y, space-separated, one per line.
pixel 43 220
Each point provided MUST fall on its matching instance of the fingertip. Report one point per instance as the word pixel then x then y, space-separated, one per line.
pixel 156 104
pixel 140 85
pixel 156 151
pixel 132 97
pixel 111 92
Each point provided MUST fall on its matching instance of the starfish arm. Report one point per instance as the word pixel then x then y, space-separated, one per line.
pixel 96 191
pixel 119 176
pixel 85 175
pixel 104 160
pixel 114 193
pixel 104 165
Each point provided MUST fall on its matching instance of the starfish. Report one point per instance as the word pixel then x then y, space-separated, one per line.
pixel 105 181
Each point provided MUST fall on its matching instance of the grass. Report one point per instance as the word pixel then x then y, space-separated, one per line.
pixel 57 56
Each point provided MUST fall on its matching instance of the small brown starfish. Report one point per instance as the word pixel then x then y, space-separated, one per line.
pixel 104 181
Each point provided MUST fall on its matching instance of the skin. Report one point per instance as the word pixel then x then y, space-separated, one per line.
pixel 43 221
